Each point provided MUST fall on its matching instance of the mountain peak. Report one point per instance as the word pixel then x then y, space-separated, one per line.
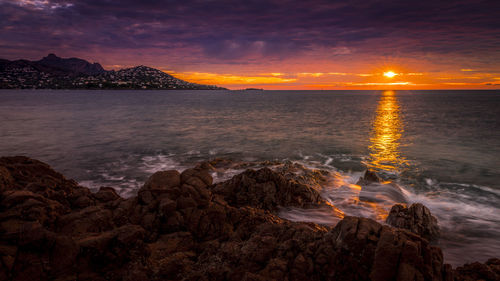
pixel 72 64
pixel 53 72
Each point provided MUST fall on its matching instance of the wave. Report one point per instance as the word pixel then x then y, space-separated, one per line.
pixel 468 214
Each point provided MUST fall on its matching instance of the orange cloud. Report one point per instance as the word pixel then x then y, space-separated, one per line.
pixel 229 79
pixel 380 84
pixel 353 79
pixel 309 74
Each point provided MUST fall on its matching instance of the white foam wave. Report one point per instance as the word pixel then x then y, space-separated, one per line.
pixel 160 162
pixel 468 215
pixel 319 215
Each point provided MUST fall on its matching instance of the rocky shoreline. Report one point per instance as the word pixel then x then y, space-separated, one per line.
pixel 182 226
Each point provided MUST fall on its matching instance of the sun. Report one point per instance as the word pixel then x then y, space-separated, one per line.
pixel 390 74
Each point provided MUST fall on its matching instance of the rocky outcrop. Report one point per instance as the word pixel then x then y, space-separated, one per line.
pixel 489 271
pixel 182 227
pixel 370 176
pixel 417 219
pixel 266 189
pixel 72 65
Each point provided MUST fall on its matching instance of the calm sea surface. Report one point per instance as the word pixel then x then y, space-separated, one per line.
pixel 441 148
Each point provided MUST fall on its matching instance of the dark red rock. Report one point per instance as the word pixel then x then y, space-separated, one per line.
pixel 266 189
pixel 417 219
pixel 6 180
pixel 106 194
pixel 199 177
pixel 370 176
pixel 489 271
pixel 182 227
pixel 163 180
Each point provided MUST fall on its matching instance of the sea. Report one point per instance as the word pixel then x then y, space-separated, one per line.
pixel 439 148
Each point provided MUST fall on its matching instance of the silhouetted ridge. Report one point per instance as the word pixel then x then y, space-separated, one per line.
pixel 72 64
pixel 53 72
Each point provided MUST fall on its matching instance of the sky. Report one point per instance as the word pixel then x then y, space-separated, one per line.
pixel 314 44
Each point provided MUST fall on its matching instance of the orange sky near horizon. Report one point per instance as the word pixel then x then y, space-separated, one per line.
pixel 309 45
pixel 348 73
pixel 335 80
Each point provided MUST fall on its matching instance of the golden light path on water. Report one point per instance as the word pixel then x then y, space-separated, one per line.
pixel 387 130
pixel 350 196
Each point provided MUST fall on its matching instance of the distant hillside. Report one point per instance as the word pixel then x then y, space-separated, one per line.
pixel 72 64
pixel 53 72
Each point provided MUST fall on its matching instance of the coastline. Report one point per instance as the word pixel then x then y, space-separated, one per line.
pixel 181 226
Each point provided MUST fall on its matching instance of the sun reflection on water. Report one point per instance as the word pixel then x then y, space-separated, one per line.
pixel 387 130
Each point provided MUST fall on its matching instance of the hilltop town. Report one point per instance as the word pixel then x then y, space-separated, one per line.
pixel 53 72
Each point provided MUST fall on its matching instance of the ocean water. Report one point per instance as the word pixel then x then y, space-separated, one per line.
pixel 440 148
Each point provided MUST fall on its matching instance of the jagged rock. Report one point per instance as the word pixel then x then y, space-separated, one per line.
pixel 301 174
pixel 163 180
pixel 6 179
pixel 417 219
pixel 106 194
pixel 178 229
pixel 489 271
pixel 370 176
pixel 266 189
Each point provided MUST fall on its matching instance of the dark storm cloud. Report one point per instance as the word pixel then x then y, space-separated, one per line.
pixel 231 31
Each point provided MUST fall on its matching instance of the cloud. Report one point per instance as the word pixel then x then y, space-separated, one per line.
pixel 379 84
pixel 230 79
pixel 296 38
pixel 257 29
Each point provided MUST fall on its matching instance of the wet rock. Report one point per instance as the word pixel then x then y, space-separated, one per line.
pixel 417 219
pixel 174 266
pixel 266 189
pixel 299 173
pixel 163 180
pixel 182 227
pixel 369 177
pixel 201 172
pixel 167 206
pixel 489 271
pixel 6 179
pixel 106 194
pixel 393 254
pixel 90 219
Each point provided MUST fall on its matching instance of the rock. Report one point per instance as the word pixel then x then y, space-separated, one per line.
pixel 145 197
pixel 171 243
pixel 31 206
pixel 201 172
pixel 106 194
pixel 167 206
pixel 266 189
pixel 173 266
pixel 64 255
pixel 37 177
pixel 91 219
pixel 299 173
pixel 393 254
pixel 489 271
pixel 6 179
pixel 206 166
pixel 417 219
pixel 181 226
pixel 163 180
pixel 370 176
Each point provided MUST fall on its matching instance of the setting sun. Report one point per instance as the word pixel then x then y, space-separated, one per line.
pixel 390 74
